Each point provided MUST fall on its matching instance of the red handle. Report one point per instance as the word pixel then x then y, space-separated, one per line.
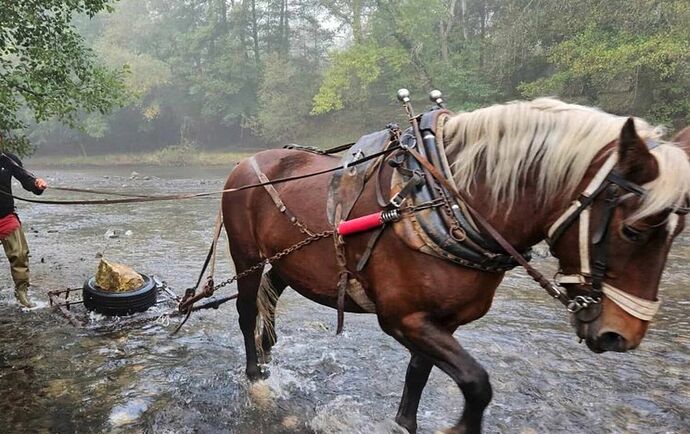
pixel 360 224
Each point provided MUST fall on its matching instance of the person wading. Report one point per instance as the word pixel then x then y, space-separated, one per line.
pixel 11 233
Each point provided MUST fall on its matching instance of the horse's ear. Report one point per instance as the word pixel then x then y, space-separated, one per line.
pixel 635 162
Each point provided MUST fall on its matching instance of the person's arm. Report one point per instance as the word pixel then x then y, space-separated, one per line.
pixel 26 178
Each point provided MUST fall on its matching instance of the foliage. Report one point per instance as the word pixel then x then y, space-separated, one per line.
pixel 45 66
pixel 282 106
pixel 626 57
pixel 351 74
pixel 214 73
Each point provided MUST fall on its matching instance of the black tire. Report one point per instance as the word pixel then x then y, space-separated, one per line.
pixel 119 303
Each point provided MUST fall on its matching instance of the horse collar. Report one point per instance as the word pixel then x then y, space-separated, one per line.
pixel 448 231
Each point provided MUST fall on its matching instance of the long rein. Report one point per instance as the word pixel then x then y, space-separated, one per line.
pixel 551 289
pixel 138 198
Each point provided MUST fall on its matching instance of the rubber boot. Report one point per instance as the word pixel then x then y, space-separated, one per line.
pixel 22 296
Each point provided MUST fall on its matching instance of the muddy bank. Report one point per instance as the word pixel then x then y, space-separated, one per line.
pixel 59 379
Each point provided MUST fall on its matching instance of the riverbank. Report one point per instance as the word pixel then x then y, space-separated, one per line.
pixel 166 157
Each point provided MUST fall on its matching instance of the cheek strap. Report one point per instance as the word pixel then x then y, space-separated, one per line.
pixel 638 307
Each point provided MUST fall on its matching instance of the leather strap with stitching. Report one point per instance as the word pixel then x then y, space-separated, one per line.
pixel 534 273
pixel 271 190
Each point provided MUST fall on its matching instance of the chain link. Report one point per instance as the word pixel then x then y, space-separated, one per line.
pixel 272 259
pixel 310 239
pixel 302 227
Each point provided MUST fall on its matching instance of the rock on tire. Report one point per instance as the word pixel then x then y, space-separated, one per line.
pixel 119 303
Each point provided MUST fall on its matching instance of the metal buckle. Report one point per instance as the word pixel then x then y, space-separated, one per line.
pixel 350 166
pixel 581 302
pixel 407 142
pixel 397 200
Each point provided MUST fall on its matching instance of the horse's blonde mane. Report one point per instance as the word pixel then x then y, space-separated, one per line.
pixel 555 143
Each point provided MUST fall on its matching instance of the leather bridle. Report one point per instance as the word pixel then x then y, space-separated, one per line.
pixel 594 252
pixel 592 267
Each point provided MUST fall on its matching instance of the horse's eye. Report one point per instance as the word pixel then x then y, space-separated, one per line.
pixel 631 234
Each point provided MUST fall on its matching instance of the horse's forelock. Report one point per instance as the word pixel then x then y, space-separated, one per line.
pixel 671 188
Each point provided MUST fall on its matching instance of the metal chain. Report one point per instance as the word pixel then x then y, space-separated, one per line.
pixel 302 227
pixel 422 206
pixel 277 256
pixel 188 301
pixel 310 239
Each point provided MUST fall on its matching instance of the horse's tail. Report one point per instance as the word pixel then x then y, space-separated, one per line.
pixel 266 301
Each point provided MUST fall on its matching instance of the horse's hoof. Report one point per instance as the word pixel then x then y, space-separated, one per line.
pixel 410 426
pixel 265 358
pixel 257 374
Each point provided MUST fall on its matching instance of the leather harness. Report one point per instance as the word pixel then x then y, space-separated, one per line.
pixel 453 230
pixel 449 230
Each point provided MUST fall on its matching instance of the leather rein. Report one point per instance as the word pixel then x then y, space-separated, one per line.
pixel 138 198
pixel 606 182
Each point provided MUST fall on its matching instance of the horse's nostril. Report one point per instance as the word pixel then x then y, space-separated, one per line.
pixel 611 341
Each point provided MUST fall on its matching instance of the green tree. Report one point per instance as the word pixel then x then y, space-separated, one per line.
pixel 204 68
pixel 283 107
pixel 441 48
pixel 625 56
pixel 46 67
pixel 243 72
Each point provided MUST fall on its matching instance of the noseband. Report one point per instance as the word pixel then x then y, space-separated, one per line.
pixel 594 252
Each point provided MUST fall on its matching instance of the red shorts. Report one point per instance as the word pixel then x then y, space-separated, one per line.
pixel 8 224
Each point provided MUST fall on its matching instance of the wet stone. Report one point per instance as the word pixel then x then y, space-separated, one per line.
pixel 112 233
pixel 115 277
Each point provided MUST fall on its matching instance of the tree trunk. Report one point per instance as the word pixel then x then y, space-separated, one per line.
pixel 357 21
pixel 284 29
pixel 241 27
pixel 443 40
pixel 223 16
pixel 255 34
pixel 463 14
pixel 445 27
pixel 482 33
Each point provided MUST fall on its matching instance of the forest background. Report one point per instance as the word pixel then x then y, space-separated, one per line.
pixel 196 75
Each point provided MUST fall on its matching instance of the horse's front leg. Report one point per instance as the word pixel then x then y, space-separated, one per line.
pixel 420 334
pixel 415 379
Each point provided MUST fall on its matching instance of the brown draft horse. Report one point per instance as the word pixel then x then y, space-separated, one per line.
pixel 522 163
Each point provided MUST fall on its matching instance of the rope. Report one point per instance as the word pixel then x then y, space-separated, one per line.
pixel 100 192
pixel 143 198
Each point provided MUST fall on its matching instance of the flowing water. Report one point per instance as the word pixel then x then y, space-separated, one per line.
pixel 56 378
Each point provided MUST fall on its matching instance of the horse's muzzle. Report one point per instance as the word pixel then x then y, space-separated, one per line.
pixel 608 341
pixel 600 341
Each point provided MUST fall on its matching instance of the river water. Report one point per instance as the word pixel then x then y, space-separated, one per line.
pixel 56 378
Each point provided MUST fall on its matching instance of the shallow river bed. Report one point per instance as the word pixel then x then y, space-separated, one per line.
pixel 56 378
